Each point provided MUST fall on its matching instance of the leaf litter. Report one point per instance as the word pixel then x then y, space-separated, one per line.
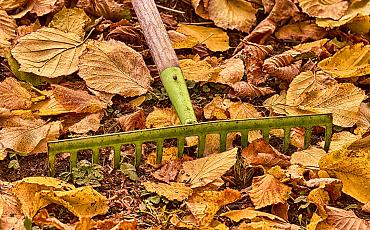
pixel 84 69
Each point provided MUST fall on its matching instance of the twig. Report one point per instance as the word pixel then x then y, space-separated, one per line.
pixel 198 23
pixel 169 9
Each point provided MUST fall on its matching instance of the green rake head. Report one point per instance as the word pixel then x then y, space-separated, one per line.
pixel 159 135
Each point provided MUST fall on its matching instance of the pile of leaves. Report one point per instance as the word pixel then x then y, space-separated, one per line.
pixel 82 68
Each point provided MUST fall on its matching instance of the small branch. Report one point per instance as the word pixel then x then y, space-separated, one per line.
pixel 169 9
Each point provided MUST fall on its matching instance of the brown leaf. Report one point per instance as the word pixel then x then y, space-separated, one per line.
pixel 331 185
pixel 127 34
pixel 132 121
pixel 43 219
pixel 168 172
pixel 245 89
pixel 205 205
pixel 174 191
pixel 281 210
pixel 217 108
pixel 309 157
pixel 320 198
pixel 282 66
pixel 7 30
pixel 13 95
pixel 267 190
pixel 301 31
pixel 11 216
pixel 259 152
pixel 363 123
pixel 249 214
pixel 276 103
pixel 162 118
pixel 169 155
pixel 91 122
pixel 345 220
pixel 42 7
pixel 341 140
pixel 27 29
pixel 267 224
pixel 77 100
pixel 9 5
pixel 333 9
pixel 113 67
pixel 109 9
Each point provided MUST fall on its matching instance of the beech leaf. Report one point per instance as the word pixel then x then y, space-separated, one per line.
pixel 49 52
pixel 113 67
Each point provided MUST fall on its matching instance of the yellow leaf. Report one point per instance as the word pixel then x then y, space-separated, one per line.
pixel 363 123
pixel 162 118
pixel 168 155
pixel 341 140
pixel 267 190
pixel 49 107
pixel 276 103
pixel 360 25
pixel 310 46
pixel 70 20
pixel 357 8
pixel 320 198
pixel 235 14
pixel 205 205
pixel 113 67
pixel 264 224
pixel 342 100
pixel 309 157
pixel 249 214
pixel 172 191
pixel 26 191
pixel 315 221
pixel 198 70
pixel 353 168
pixel 333 9
pixel 49 52
pixel 13 96
pixel 214 38
pixel 203 171
pixel 82 202
pixel 182 41
pixel 89 122
pixel 217 108
pixel 351 61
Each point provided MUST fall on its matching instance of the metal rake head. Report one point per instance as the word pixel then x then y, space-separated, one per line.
pixel 159 135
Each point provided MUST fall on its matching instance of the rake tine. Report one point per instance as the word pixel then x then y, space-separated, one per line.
pixel 202 145
pixel 223 138
pixel 244 138
pixel 138 151
pixel 180 146
pixel 307 137
pixel 117 155
pixel 52 159
pixel 95 155
pixel 266 134
pixel 286 139
pixel 328 133
pixel 73 159
pixel 159 151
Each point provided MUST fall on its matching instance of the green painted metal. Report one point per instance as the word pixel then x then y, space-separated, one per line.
pixel 158 135
pixel 175 85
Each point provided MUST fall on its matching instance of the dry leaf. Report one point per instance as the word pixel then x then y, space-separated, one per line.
pixel 281 210
pixel 205 205
pixel 109 9
pixel 132 121
pixel 77 101
pixel 7 31
pixel 267 225
pixel 232 71
pixel 360 25
pixel 13 96
pixel 27 29
pixel 203 171
pixel 49 107
pixel 70 20
pixel 342 100
pixel 199 70
pixel 345 220
pixel 168 171
pixel 333 9
pixel 356 9
pixel 351 61
pixel 331 185
pixel 11 216
pixel 162 118
pixel 276 103
pixel 249 214
pixel 282 66
pixel 90 122
pixel 173 191
pixel 214 38
pixel 168 155
pixel 42 7
pixel 309 157
pixel 240 110
pixel 267 190
pixel 217 108
pixel 320 198
pixel 300 31
pixel 259 152
pixel 315 46
pixel 9 5
pixel 341 140
pixel 43 219
pixel 352 167
pixel 245 89
pixel 236 14
pixel 49 52
pixel 363 123
pixel 29 136
pixel 113 67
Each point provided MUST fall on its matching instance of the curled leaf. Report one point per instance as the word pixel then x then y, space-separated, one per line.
pixel 282 66
pixel 245 89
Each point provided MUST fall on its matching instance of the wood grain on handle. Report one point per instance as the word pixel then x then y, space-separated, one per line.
pixel 155 34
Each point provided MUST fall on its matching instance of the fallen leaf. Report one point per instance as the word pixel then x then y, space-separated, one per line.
pixel 7 30
pixel 300 31
pixel 351 61
pixel 130 171
pixel 43 219
pixel 232 71
pixel 11 216
pixel 29 136
pixel 13 96
pixel 199 70
pixel 320 198
pixel 333 9
pixel 173 191
pixel 49 52
pixel 240 110
pixel 360 25
pixel 214 38
pixel 352 167
pixel 168 155
pixel 203 171
pixel 342 100
pixel 205 205
pixel 249 214
pixel 217 108
pixel 267 224
pixel 109 9
pixel 168 171
pixel 42 7
pixel 113 67
pixel 267 190
pixel 70 20
pixel 331 185
pixel 162 118
pixel 77 101
pixel 316 223
pixel 245 89
pixel 49 107
pixel 132 121
pixel 212 145
pixel 236 14
pixel 315 46
pixel 345 220
pixel 362 143
pixel 341 140
pixel 91 122
pixel 282 66
pixel 363 123
pixel 309 157
pixel 259 152
pixel 366 207
pixel 27 29
pixel 281 210
pixel 9 5
pixel 276 103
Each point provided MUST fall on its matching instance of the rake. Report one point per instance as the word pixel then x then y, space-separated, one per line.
pixel 172 78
